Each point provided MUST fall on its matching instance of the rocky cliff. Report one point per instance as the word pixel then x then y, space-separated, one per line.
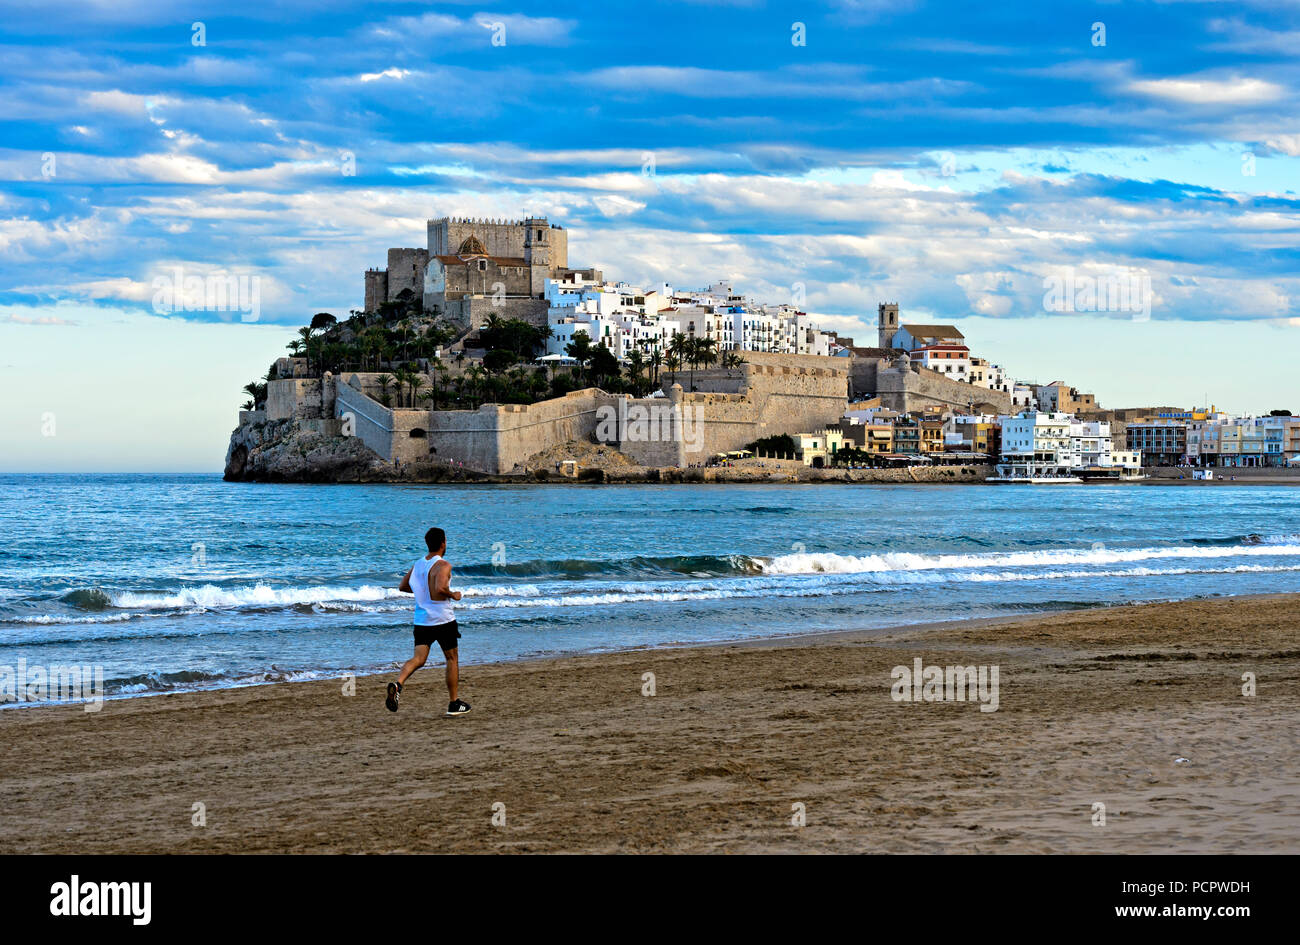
pixel 314 451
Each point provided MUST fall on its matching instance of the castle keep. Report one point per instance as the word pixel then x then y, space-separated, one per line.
pixel 472 268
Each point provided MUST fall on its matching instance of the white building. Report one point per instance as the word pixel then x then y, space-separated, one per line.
pixel 1037 445
pixel 950 359
pixel 626 318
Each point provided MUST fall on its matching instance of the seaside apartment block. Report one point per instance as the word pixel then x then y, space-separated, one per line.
pixel 1210 438
pixel 1039 445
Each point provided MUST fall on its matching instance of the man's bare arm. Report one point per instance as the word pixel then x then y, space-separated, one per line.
pixel 440 582
pixel 405 586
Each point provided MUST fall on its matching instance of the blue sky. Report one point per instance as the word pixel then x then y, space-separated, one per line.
pixel 948 156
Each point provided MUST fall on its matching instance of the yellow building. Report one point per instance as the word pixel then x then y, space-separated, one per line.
pixel 931 436
pixel 819 449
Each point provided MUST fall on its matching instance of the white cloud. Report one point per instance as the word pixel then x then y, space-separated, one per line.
pixel 1205 91
pixel 391 73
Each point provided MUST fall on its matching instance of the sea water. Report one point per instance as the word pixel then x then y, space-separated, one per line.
pixel 176 582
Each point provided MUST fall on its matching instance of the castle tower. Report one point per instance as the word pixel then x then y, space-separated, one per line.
pixel 887 324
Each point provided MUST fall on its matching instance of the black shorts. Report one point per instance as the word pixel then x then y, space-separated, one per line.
pixel 445 633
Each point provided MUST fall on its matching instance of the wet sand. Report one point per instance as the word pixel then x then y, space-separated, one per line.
pixel 1094 706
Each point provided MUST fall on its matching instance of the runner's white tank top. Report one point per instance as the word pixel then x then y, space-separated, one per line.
pixel 428 612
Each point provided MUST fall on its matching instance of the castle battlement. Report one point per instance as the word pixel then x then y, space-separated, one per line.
pixel 485 221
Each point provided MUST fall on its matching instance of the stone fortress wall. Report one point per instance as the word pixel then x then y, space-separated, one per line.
pixel 498 437
pixel 770 394
pixel 915 388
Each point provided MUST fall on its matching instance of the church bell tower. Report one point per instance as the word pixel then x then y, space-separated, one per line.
pixel 887 324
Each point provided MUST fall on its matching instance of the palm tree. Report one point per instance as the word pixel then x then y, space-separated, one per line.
pixel 401 375
pixel 415 382
pixel 305 335
pixel 257 391
pixel 678 349
pixel 474 374
pixel 384 380
pixel 694 349
pixel 706 351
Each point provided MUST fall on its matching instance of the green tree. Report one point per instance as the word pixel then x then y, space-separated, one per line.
pixel 323 321
pixel 635 371
pixel 580 349
pixel 257 391
pixel 499 359
pixel 604 365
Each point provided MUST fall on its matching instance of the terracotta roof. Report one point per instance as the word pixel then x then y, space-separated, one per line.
pixel 935 331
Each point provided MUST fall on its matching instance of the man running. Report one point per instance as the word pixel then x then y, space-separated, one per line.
pixel 430 581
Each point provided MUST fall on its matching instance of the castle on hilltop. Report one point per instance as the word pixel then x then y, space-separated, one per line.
pixel 473 268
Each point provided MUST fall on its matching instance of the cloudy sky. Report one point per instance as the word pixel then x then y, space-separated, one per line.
pixel 950 156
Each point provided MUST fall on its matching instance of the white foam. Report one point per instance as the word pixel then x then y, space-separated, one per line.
pixel 47 618
pixel 210 597
pixel 830 563
pixel 748 589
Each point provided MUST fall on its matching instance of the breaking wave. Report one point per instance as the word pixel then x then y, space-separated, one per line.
pixel 831 563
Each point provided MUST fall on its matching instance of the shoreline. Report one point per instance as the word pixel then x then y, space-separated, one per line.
pixel 489 480
pixel 1096 706
pixel 812 638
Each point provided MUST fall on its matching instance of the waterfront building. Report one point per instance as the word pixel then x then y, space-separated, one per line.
pixel 907 436
pixel 1040 445
pixel 1161 442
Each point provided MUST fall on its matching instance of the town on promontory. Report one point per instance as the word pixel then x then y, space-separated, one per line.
pixel 487 355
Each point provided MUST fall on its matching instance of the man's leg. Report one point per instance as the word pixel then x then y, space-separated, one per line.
pixel 414 663
pixel 453 672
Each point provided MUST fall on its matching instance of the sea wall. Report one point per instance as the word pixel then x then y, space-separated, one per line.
pixel 498 437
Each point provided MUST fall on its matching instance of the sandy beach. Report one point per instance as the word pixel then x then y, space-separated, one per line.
pixel 1137 708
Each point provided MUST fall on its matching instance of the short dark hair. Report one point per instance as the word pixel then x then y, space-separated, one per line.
pixel 435 538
